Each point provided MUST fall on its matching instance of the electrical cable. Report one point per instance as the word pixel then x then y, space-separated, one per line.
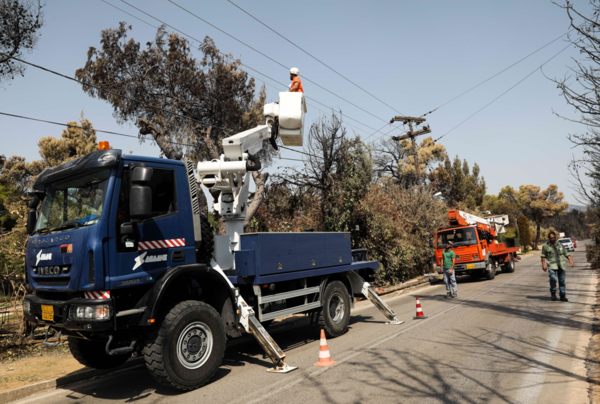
pixel 285 158
pixel 497 74
pixel 229 57
pixel 114 133
pixel 268 57
pixel 113 93
pixel 315 58
pixel 495 99
pixel 81 127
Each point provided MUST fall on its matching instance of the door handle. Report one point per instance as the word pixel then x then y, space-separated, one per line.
pixel 178 255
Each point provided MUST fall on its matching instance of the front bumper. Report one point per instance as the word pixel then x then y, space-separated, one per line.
pixel 61 313
pixel 466 267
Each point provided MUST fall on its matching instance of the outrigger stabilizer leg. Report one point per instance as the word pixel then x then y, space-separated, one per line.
pixel 359 283
pixel 254 327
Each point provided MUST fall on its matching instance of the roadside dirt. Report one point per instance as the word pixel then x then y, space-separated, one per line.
pixel 593 357
pixel 25 363
pixel 37 369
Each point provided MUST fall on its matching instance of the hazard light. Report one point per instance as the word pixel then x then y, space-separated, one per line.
pixel 103 145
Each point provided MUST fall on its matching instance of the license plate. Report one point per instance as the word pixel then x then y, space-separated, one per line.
pixel 470 266
pixel 47 312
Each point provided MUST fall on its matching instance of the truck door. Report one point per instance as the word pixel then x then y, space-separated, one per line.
pixel 157 242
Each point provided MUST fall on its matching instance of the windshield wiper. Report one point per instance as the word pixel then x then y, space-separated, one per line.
pixel 68 225
pixel 45 229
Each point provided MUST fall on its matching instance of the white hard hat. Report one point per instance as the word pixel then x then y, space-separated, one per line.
pixel 294 70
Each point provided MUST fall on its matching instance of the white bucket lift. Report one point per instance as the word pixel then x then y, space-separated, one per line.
pixel 290 110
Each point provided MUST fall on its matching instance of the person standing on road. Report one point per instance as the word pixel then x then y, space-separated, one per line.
pixel 554 261
pixel 448 258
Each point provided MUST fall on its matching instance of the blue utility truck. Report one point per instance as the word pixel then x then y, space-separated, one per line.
pixel 121 260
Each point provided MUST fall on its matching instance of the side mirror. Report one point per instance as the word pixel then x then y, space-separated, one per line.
pixel 27 196
pixel 32 217
pixel 140 195
pixel 431 243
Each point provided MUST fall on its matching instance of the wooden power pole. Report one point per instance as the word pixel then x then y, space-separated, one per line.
pixel 412 135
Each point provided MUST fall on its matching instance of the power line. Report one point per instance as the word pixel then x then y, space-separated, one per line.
pixel 69 125
pixel 137 18
pixel 112 92
pixel 228 56
pixel 497 74
pixel 495 99
pixel 315 58
pixel 385 134
pixel 285 158
pixel 268 57
pixel 109 132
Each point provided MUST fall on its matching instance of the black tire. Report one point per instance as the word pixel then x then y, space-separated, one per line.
pixel 334 315
pixel 189 324
pixel 509 267
pixel 205 252
pixel 490 271
pixel 93 354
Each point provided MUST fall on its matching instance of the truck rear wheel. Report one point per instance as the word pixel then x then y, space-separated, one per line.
pixel 334 315
pixel 509 267
pixel 187 348
pixel 93 354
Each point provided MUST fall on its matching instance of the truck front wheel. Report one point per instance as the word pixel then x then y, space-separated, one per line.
pixel 490 271
pixel 187 348
pixel 93 354
pixel 334 315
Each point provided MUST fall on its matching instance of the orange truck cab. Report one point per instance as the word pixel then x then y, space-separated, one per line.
pixel 474 242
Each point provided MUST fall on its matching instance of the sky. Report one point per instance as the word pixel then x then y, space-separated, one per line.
pixel 412 55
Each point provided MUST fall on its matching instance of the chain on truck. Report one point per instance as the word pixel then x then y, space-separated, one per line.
pixel 121 261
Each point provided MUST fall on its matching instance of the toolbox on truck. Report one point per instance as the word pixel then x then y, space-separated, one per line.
pixel 275 253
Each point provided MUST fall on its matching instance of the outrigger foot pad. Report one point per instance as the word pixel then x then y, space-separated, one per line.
pixel 394 322
pixel 284 368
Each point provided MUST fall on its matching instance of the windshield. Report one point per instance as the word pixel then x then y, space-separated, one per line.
pixel 459 237
pixel 565 240
pixel 73 202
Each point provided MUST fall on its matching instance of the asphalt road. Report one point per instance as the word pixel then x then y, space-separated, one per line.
pixel 500 341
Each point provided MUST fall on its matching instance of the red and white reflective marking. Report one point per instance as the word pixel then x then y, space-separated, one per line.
pixel 156 244
pixel 100 294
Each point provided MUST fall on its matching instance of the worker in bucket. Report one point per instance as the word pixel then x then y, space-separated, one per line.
pixel 554 261
pixel 449 275
pixel 296 86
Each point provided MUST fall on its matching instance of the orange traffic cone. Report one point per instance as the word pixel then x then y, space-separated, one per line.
pixel 324 356
pixel 420 315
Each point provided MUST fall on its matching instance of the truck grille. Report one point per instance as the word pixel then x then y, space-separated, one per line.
pixel 62 281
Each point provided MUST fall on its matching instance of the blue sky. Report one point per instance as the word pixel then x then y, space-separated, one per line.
pixel 414 55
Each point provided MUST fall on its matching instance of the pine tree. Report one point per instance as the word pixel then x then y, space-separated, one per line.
pixel 524 233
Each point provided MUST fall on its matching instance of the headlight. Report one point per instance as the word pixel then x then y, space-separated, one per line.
pixel 90 313
pixel 26 307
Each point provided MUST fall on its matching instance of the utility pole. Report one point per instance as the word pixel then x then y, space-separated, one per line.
pixel 412 135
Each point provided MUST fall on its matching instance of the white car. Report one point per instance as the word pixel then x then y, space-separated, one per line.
pixel 567 243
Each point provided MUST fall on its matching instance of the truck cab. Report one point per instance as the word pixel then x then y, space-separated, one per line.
pixel 109 226
pixel 467 244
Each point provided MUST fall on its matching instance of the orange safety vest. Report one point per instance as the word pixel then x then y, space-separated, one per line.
pixel 297 80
